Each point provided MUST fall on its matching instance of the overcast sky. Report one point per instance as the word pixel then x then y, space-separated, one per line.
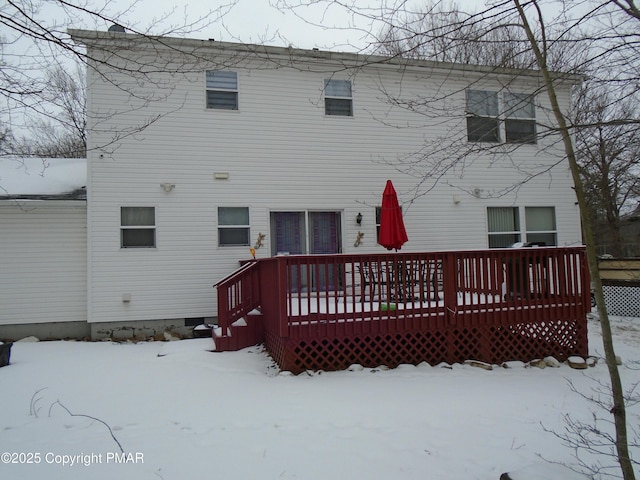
pixel 250 21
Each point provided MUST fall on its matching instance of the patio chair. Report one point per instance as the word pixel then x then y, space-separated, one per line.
pixel 373 276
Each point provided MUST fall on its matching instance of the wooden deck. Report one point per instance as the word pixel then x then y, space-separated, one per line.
pixel 326 312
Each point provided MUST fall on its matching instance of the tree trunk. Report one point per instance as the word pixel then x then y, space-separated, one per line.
pixel 618 410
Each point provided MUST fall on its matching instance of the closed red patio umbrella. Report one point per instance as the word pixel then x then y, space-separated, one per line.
pixel 392 232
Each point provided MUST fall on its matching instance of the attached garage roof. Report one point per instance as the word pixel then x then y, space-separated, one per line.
pixel 43 178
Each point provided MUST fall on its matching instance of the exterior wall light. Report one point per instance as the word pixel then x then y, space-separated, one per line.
pixel 167 186
pixel 359 219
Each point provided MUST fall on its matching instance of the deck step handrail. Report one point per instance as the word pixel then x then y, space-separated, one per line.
pixel 238 294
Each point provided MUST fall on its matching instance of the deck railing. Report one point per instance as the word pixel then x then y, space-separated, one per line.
pixel 340 296
pixel 309 291
pixel 238 294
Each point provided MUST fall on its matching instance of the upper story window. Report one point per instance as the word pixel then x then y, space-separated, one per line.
pixel 137 227
pixel 485 116
pixel 233 226
pixel 520 118
pixel 482 116
pixel 222 90
pixel 337 98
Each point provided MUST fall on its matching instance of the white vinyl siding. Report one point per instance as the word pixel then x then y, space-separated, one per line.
pixel 43 277
pixel 282 154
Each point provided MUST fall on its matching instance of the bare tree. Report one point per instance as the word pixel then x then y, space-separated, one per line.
pixel 35 40
pixel 63 131
pixel 609 155
pixel 445 33
pixel 607 143
pixel 599 37
pixel 618 409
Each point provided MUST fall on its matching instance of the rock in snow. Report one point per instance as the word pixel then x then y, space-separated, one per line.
pixel 578 363
pixel 513 364
pixel 540 363
pixel 552 362
pixel 476 363
pixel 169 337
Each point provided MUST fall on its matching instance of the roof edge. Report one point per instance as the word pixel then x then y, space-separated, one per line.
pixel 95 37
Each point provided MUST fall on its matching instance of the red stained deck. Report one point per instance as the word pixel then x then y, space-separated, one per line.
pixel 327 312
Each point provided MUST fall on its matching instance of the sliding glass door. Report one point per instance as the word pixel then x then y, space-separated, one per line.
pixel 311 232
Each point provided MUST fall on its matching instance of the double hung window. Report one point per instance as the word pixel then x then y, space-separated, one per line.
pixel 337 98
pixel 541 225
pixel 504 226
pixel 233 226
pixel 222 90
pixel 520 118
pixel 137 227
pixel 486 117
pixel 482 116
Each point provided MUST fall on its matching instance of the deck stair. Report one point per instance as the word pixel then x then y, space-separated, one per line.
pixel 244 332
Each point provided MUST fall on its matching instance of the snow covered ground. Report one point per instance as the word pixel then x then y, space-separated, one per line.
pixel 181 412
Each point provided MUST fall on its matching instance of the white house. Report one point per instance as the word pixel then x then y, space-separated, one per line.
pixel 43 224
pixel 199 150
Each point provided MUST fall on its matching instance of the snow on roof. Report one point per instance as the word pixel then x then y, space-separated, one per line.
pixel 42 177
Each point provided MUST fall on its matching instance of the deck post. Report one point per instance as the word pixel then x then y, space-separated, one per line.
pixel 449 287
pixel 282 296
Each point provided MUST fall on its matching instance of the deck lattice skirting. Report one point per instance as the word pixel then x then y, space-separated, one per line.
pixel 491 344
pixel 324 313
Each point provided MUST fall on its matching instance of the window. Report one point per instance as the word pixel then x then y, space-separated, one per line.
pixel 222 90
pixel 504 226
pixel 520 121
pixel 482 116
pixel 337 98
pixel 541 225
pixel 233 226
pixel 137 227
pixel 505 229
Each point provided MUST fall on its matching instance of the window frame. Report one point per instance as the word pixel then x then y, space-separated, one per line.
pixel 517 233
pixel 541 233
pixel 515 114
pixel 137 228
pixel 507 117
pixel 336 99
pixel 474 117
pixel 222 90
pixel 524 232
pixel 238 227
